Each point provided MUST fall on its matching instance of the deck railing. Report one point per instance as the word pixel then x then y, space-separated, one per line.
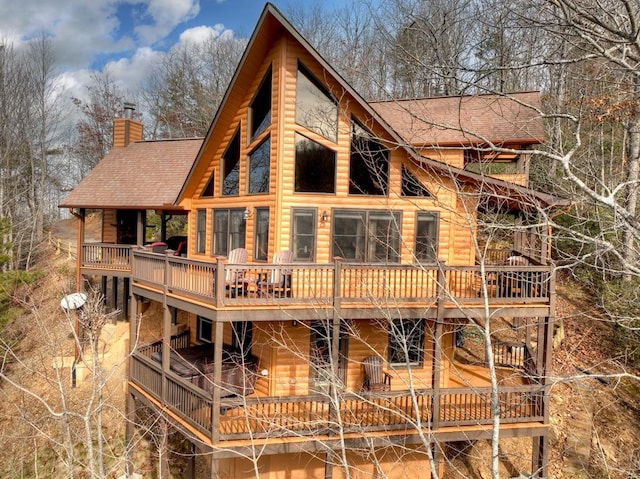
pixel 110 257
pixel 250 284
pixel 293 416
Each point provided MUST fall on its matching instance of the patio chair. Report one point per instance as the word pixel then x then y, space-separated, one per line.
pixel 515 283
pixel 234 278
pixel 279 281
pixel 375 378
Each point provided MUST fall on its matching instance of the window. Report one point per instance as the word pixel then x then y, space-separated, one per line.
pixel 229 227
pixel 315 109
pixel 201 230
pixel 366 236
pixel 261 107
pixel 369 164
pixel 304 234
pixel 426 237
pixel 262 234
pixel 231 167
pixel 411 186
pixel 259 162
pixel 207 191
pixel 323 375
pixel 315 167
pixel 406 342
pixel 204 329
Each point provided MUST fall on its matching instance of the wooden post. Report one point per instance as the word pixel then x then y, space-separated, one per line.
pixel 80 242
pixel 217 381
pixel 438 458
pixel 540 456
pixel 218 282
pixel 437 346
pixel 130 411
pixel 140 228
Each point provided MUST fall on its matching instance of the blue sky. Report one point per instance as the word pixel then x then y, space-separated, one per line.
pixel 126 36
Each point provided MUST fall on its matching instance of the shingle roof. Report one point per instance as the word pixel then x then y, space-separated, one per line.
pixel 143 175
pixel 466 120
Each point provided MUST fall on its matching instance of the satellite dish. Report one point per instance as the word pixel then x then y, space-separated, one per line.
pixel 73 301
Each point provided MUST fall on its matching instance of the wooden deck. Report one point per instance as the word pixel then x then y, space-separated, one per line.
pixel 354 288
pixel 255 417
pixel 468 402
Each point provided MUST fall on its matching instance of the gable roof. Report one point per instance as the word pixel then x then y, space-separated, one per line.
pixel 466 120
pixel 271 23
pixel 142 175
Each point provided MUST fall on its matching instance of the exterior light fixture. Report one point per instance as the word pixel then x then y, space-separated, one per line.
pixel 247 213
pixel 325 216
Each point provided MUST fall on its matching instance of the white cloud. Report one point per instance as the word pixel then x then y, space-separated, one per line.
pixel 203 33
pixel 165 16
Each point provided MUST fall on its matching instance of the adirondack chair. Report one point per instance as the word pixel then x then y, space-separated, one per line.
pixel 278 283
pixel 234 279
pixel 375 378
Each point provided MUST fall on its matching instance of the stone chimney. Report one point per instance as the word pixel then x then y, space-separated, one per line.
pixel 126 130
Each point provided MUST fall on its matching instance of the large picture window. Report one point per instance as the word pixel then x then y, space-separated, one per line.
pixel 259 164
pixel 315 108
pixel 406 342
pixel 231 167
pixel 201 230
pixel 366 236
pixel 229 229
pixel 304 234
pixel 261 107
pixel 262 234
pixel 426 249
pixel 315 169
pixel 369 164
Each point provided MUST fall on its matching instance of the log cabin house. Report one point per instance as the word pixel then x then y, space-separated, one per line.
pixel 353 351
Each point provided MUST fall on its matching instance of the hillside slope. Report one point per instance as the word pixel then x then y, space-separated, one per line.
pixel 595 420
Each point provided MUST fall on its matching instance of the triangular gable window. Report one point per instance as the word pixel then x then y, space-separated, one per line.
pixel 207 191
pixel 411 186
pixel 261 107
pixel 369 164
pixel 315 108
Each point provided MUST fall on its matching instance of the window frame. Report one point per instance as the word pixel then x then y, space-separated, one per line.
pixel 358 163
pixel 305 170
pixel 258 241
pixel 200 321
pixel 250 167
pixel 295 234
pixel 363 237
pixel 395 341
pixel 254 131
pixel 435 219
pixel 233 143
pixel 332 136
pixel 230 244
pixel 201 231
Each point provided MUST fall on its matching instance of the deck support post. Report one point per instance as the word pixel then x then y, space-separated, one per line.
pixel 438 458
pixel 103 288
pixel 214 467
pixel 328 464
pixel 190 473
pixel 80 241
pixel 130 412
pixel 126 297
pixel 218 283
pixel 217 381
pixel 114 294
pixel 437 347
pixel 540 456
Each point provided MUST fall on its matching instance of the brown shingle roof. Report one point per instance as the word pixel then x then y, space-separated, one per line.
pixel 466 120
pixel 143 175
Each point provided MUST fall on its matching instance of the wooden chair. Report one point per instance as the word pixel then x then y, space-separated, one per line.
pixel 279 281
pixel 234 278
pixel 375 378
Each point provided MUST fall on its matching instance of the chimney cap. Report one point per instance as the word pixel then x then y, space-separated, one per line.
pixel 129 108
